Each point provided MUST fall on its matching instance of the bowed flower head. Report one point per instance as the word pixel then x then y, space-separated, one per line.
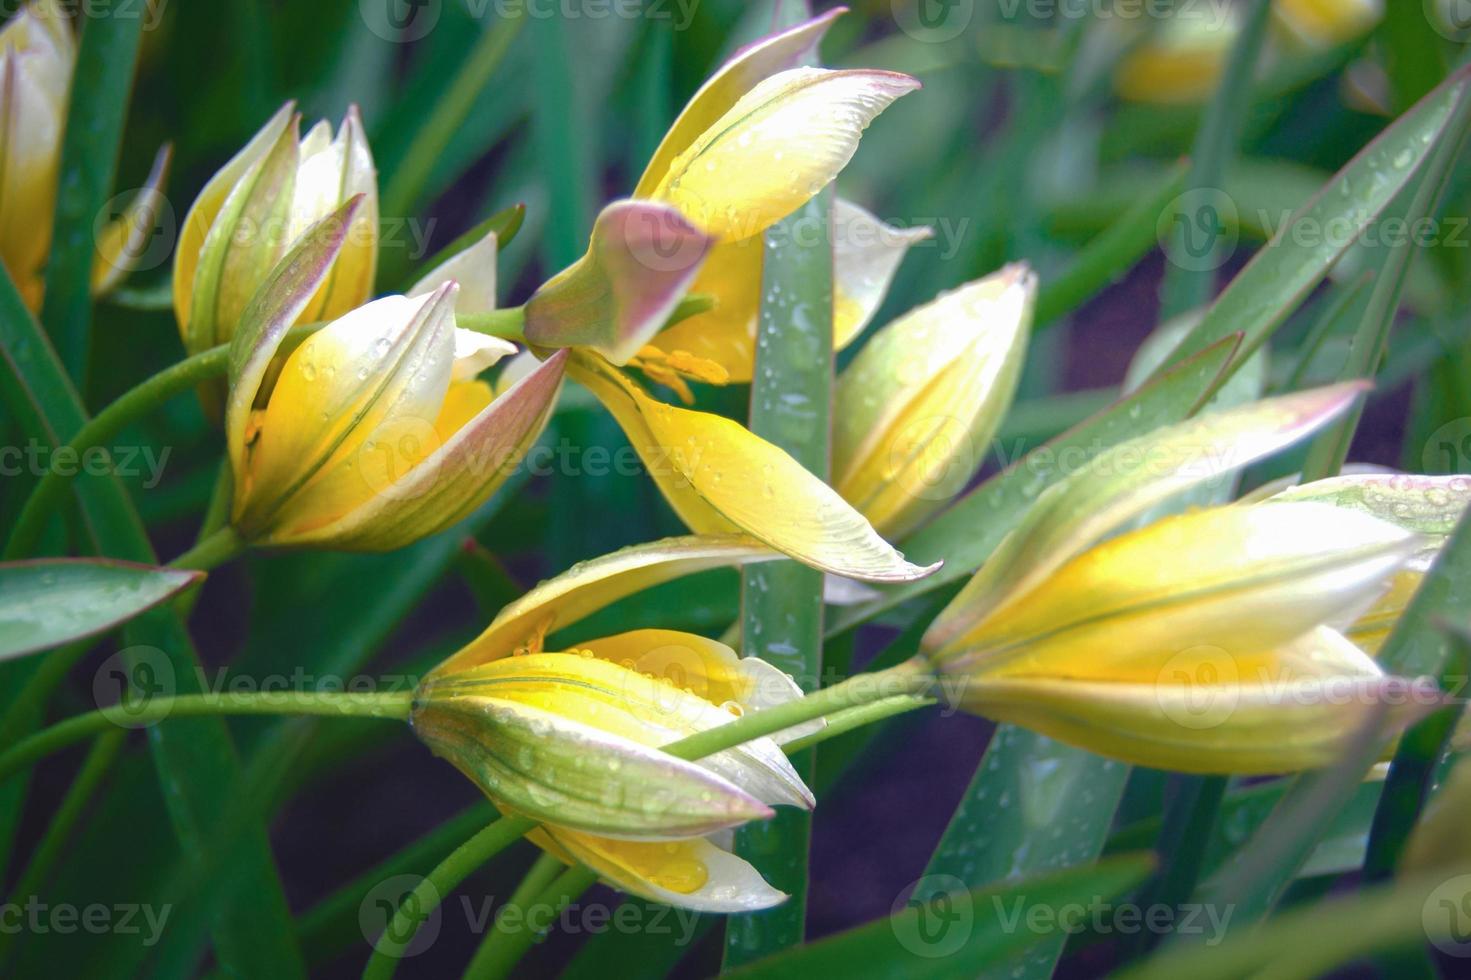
pixel 758 140
pixel 376 432
pixel 256 208
pixel 1205 642
pixel 572 738
pixel 37 55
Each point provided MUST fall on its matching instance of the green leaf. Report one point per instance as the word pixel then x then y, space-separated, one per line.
pixel 48 602
pixel 101 83
pixel 781 602
pixel 1266 292
pixel 197 764
pixel 958 933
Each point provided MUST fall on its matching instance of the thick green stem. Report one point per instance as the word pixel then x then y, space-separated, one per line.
pixel 329 703
pixel 213 551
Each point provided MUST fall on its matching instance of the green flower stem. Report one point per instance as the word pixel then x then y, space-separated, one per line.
pixel 503 949
pixel 338 704
pixel 490 958
pixel 506 324
pixel 60 826
pixel 445 877
pixel 213 551
pixel 842 722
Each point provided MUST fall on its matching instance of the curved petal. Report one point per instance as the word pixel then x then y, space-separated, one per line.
pixel 741 73
pixel 726 333
pixel 30 148
pixel 370 370
pixel 688 874
pixel 333 173
pixel 1226 581
pixel 445 486
pixel 781 143
pixel 720 478
pixel 125 240
pixel 474 269
pixel 1123 483
pixel 550 766
pixel 866 254
pixel 591 585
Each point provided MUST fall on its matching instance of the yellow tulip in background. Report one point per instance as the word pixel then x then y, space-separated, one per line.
pixel 1205 642
pixel 916 410
pixel 377 431
pixel 571 739
pixel 255 209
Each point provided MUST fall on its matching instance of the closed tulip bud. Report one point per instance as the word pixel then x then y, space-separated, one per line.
pixel 37 54
pixel 376 432
pixel 1181 61
pixel 1205 642
pixel 917 408
pixel 1317 24
pixel 572 738
pixel 255 209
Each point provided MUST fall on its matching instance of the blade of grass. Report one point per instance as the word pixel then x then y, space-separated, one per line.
pixel 559 130
pixel 1188 287
pixel 196 761
pixel 101 83
pixel 781 602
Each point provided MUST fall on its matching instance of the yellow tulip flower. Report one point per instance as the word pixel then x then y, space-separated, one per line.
pixel 759 139
pixel 257 206
pixel 1203 642
pixel 1181 61
pixel 571 739
pixel 376 431
pixel 1317 24
pixel 917 408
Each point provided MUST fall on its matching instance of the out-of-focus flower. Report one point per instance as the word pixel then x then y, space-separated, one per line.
pixel 759 139
pixel 918 406
pixel 376 432
pixel 255 209
pixel 1428 506
pixel 572 739
pixel 1317 24
pixel 1205 642
pixel 1181 61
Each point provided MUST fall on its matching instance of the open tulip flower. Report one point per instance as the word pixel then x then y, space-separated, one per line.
pixel 918 406
pixel 254 210
pixel 1204 642
pixel 571 739
pixel 759 139
pixel 37 57
pixel 376 432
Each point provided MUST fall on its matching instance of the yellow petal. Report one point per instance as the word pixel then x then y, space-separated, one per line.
pixel 917 409
pixel 1325 23
pixel 1181 62
pixel 866 254
pixel 719 478
pixel 748 66
pixel 726 333
pixel 592 585
pixel 329 174
pixel 206 209
pixel 474 269
pixel 641 261
pixel 780 144
pixel 31 126
pixel 553 766
pixel 383 365
pixel 1231 580
pixel 1373 627
pixel 688 874
pixel 1201 726
pixel 1123 483
pixel 126 240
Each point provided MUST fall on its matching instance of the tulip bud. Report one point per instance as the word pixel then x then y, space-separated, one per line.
pixel 916 410
pixel 1317 24
pixel 37 55
pixel 256 208
pixel 376 432
pixel 1181 61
